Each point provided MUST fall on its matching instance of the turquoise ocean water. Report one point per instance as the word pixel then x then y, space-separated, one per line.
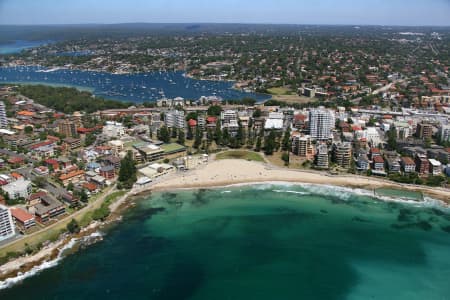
pixel 259 242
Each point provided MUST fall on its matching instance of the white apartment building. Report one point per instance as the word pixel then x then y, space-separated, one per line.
pixel 228 116
pixel 175 119
pixel 6 223
pixel 444 133
pixel 113 129
pixel 322 160
pixel 18 188
pixel 3 119
pixel 321 123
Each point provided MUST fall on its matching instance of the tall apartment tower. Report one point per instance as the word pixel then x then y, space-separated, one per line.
pixel 6 223
pixel 68 128
pixel 3 119
pixel 322 156
pixel 175 119
pixel 424 130
pixel 342 154
pixel 303 147
pixel 321 123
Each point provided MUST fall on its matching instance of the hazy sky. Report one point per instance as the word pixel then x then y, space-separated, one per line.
pixel 361 12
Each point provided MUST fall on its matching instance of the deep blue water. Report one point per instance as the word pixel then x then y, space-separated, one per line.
pixel 20 45
pixel 128 87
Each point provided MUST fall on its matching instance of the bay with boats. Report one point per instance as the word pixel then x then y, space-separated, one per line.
pixel 138 87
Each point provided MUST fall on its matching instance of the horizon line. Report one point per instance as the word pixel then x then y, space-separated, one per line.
pixel 225 23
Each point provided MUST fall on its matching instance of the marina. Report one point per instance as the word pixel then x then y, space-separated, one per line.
pixel 138 88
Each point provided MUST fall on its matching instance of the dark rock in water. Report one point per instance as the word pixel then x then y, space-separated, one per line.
pixel 446 228
pixel 168 195
pixel 437 212
pixel 405 215
pixel 424 225
pixel 359 219
pixel 200 198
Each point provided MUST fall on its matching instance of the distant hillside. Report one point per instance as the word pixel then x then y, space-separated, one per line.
pixel 10 33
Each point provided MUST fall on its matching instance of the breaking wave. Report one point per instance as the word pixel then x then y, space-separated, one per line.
pixel 9 282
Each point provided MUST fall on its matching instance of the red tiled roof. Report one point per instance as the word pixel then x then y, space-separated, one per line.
pixel 192 123
pixel 408 160
pixel 378 159
pixel 16 175
pixel 15 160
pixel 37 195
pixel 211 119
pixel 21 215
pixel 85 130
pixel 71 174
pixel 90 186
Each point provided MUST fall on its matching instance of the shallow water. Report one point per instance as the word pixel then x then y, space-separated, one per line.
pixel 259 242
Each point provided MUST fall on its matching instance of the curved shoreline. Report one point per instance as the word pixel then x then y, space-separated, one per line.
pixel 218 175
pixel 222 173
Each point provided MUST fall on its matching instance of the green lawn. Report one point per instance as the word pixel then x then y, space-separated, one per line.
pixel 53 233
pixel 279 91
pixel 172 147
pixel 240 154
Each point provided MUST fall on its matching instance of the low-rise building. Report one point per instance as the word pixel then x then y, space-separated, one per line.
pixel 378 164
pixel 20 188
pixel 393 165
pixel 108 172
pixel 72 143
pixel 22 218
pixel 408 165
pixel 48 208
pixel 72 177
pixel 149 152
pixel 435 167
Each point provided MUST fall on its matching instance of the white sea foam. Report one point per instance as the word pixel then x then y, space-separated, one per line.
pixel 291 192
pixel 9 282
pixel 37 269
pixel 345 193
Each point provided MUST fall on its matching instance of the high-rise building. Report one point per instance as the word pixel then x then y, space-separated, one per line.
pixel 424 130
pixel 175 119
pixel 3 119
pixel 321 123
pixel 342 154
pixel 444 133
pixel 322 156
pixel 68 128
pixel 302 146
pixel 6 223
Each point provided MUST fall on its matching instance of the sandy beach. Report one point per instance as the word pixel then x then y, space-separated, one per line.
pixel 234 171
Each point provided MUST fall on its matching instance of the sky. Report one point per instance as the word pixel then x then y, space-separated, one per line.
pixel 337 12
